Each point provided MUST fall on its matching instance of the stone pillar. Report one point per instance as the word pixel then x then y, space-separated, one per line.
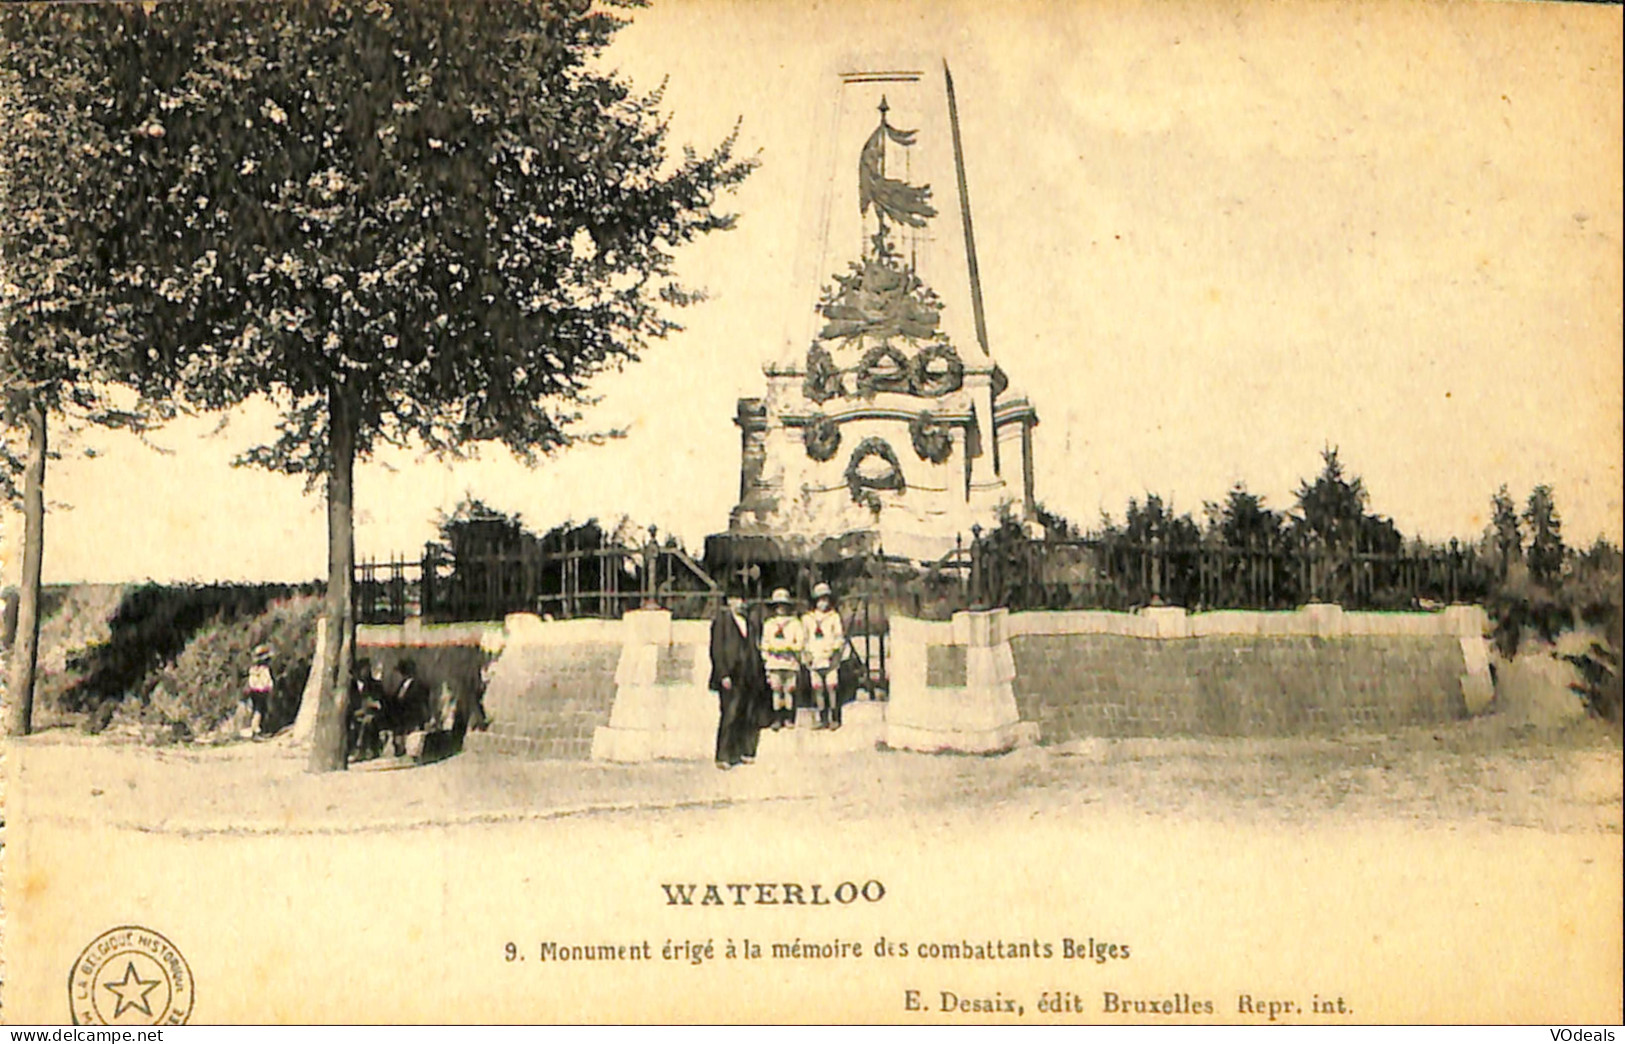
pixel 751 417
pixel 1470 624
pixel 1027 497
pixel 1164 621
pixel 951 686
pixel 662 708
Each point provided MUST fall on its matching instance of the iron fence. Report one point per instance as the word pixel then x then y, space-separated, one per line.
pixel 1110 573
pixel 490 582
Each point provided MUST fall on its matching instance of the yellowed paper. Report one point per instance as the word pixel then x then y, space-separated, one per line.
pixel 1213 239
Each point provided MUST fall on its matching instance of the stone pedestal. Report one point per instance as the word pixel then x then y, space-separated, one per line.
pixel 662 708
pixel 951 686
pixel 1470 624
pixel 1164 621
pixel 1325 619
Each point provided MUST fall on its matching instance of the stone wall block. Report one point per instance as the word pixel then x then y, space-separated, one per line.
pixel 637 665
pixel 651 626
pixel 1164 621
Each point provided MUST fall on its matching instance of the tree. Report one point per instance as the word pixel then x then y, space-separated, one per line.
pixel 1152 521
pixel 1546 550
pixel 1506 536
pixel 64 335
pixel 1156 521
pixel 1331 509
pixel 474 516
pixel 1056 525
pixel 1243 521
pixel 420 224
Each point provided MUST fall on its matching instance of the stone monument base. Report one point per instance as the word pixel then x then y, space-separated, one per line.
pixel 662 708
pixel 951 686
pixel 950 692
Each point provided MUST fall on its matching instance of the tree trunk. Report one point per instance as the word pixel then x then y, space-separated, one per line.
pixel 328 740
pixel 25 648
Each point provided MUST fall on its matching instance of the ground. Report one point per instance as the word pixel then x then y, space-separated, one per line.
pixel 1462 873
pixel 1480 771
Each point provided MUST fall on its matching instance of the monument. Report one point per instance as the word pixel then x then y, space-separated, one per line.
pixel 886 422
pixel 886 428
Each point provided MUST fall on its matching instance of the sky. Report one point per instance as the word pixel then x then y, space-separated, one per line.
pixel 1215 238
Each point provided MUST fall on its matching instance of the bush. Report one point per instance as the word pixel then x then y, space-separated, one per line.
pixel 1522 608
pixel 1586 595
pixel 203 684
pixel 150 626
pixel 73 620
pixel 1601 687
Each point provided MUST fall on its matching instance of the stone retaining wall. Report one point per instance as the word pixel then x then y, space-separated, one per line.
pixel 551 687
pixel 635 689
pixel 1163 672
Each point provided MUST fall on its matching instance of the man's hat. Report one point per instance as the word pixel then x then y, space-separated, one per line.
pixel 780 597
pixel 821 590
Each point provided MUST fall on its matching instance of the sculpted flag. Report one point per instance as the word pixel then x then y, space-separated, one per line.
pixel 897 200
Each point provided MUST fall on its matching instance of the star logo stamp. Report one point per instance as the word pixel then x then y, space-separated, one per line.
pixel 130 976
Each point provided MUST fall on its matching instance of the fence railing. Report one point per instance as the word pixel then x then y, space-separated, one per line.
pixel 994 570
pixel 489 583
pixel 1108 573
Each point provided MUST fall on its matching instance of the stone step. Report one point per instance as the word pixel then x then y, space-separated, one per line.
pixel 863 726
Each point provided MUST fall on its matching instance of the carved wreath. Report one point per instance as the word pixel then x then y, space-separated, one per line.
pixel 823 380
pixel 865 489
pixel 884 368
pixel 932 440
pixel 937 371
pixel 822 437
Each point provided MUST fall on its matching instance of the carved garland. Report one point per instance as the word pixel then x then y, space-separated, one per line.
pixel 896 376
pixel 932 440
pixel 821 437
pixel 937 371
pixel 865 489
pixel 823 380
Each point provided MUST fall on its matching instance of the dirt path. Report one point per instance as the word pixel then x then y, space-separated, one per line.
pixel 1449 879
pixel 1475 772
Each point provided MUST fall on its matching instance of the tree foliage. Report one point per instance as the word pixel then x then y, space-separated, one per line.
pixel 425 223
pixel 1332 507
pixel 444 213
pixel 1505 534
pixel 1546 551
pixel 56 325
pixel 1156 520
pixel 1242 520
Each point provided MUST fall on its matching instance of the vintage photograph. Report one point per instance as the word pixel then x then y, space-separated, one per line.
pixel 882 511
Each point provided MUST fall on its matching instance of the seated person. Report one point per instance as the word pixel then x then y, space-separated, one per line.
pixel 367 717
pixel 409 709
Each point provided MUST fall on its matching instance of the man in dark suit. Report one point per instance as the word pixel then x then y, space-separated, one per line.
pixel 409 709
pixel 740 682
